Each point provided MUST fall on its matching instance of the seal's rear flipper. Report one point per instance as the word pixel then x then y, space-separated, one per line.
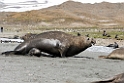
pixel 107 81
pixel 8 53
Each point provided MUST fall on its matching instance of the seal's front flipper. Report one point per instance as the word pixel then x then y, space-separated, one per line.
pixel 63 52
pixel 34 52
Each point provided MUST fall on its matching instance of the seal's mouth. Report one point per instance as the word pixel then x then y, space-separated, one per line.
pixel 93 42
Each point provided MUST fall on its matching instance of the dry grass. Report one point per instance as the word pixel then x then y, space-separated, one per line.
pixel 70 14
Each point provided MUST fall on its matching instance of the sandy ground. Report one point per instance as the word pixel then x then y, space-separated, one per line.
pixel 24 69
pixel 88 68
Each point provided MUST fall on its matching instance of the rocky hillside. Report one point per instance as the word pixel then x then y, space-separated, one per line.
pixel 70 14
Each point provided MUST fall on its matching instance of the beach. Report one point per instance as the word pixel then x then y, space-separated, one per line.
pixel 85 67
pixel 102 21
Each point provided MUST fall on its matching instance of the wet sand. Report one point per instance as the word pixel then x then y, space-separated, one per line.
pixel 86 69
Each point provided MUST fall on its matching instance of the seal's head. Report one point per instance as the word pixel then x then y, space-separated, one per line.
pixel 28 36
pixel 91 41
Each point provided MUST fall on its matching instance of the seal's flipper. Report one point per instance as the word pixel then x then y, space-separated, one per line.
pixel 34 52
pixel 8 52
pixel 107 81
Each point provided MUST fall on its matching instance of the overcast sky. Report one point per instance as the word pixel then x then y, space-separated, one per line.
pixel 50 3
pixel 60 1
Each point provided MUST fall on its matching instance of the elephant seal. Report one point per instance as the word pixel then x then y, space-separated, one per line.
pixel 36 46
pixel 69 45
pixel 116 79
pixel 28 36
pixel 74 44
pixel 62 36
pixel 114 46
pixel 116 54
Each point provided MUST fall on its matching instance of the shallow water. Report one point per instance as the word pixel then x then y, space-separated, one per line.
pixel 100 49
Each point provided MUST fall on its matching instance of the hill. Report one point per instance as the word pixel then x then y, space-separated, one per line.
pixel 69 14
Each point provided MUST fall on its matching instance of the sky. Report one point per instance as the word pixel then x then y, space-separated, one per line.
pixel 60 1
pixel 12 4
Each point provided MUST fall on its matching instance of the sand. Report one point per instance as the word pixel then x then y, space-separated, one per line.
pixel 86 67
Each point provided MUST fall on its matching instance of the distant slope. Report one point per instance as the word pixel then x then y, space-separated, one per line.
pixel 71 14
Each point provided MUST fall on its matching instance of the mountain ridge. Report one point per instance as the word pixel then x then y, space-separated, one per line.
pixel 73 14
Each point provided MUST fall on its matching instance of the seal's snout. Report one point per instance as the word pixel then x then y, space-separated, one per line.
pixel 93 41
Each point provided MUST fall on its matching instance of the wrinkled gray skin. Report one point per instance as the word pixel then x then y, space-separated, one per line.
pixel 68 45
pixel 73 44
pixel 36 46
pixel 117 79
pixel 70 48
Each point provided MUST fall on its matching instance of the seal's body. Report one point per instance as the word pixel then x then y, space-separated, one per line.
pixel 116 54
pixel 117 79
pixel 50 46
pixel 62 44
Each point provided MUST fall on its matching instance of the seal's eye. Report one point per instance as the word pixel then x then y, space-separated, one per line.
pixel 88 38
